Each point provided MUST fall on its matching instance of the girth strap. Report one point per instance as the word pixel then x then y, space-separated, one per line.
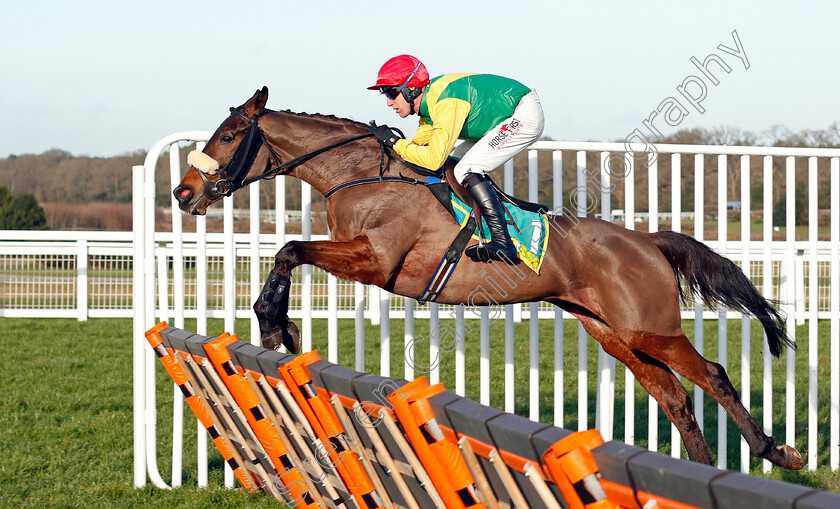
pixel 447 264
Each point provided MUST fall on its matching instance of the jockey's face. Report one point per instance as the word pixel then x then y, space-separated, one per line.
pixel 400 106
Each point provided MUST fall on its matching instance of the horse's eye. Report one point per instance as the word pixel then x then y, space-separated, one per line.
pixel 226 138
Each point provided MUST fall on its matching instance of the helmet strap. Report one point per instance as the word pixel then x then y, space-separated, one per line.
pixel 410 94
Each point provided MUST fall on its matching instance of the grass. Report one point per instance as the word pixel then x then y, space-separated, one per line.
pixel 66 407
pixel 733 227
pixel 66 421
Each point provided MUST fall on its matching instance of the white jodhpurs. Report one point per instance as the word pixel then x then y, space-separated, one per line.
pixel 510 137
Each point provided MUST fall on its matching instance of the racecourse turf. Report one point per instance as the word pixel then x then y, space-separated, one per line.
pixel 66 407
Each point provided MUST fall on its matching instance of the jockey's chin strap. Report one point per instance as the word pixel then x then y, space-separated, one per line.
pixel 410 94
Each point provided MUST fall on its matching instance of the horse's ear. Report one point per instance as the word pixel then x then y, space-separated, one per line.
pixel 256 103
pixel 262 98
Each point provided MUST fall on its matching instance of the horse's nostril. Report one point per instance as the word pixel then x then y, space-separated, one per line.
pixel 182 193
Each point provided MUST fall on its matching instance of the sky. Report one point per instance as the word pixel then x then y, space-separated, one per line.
pixel 105 78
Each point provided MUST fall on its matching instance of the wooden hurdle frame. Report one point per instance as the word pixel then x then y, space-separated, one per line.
pixel 315 434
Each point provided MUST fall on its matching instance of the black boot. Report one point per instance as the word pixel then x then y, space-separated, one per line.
pixel 500 246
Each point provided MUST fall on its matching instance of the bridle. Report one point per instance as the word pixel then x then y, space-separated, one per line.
pixel 233 173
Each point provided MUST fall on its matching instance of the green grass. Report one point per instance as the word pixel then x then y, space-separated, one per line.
pixel 734 228
pixel 66 422
pixel 66 407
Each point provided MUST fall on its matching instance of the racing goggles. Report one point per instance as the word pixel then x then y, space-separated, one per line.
pixel 391 92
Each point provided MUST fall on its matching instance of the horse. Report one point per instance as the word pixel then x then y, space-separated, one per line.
pixel 623 285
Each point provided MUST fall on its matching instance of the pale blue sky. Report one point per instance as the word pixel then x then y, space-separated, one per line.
pixel 102 78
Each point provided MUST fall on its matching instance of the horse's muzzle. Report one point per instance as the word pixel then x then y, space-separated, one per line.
pixel 188 202
pixel 194 200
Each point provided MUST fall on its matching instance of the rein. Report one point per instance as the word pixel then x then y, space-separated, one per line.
pixel 372 180
pixel 234 179
pixel 243 158
pixel 289 165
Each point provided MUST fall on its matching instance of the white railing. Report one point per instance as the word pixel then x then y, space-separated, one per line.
pixel 87 274
pixel 65 274
pixel 781 269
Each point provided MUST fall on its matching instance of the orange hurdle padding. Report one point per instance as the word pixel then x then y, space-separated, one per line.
pixel 441 458
pixel 570 464
pixel 328 429
pixel 258 420
pixel 196 404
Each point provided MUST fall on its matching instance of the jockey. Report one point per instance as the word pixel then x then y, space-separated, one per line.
pixel 498 117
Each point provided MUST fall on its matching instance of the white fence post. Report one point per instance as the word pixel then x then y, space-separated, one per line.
pixel 82 280
pixel 583 368
pixel 789 296
pixel 834 329
pixel 767 286
pixel 629 379
pixel 604 413
pixel 534 322
pixel 813 309
pixel 138 337
pixel 559 368
pixel 745 320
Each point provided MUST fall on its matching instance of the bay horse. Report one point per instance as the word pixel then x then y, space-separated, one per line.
pixel 623 285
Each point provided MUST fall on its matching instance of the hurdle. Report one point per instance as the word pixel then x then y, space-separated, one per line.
pixel 310 433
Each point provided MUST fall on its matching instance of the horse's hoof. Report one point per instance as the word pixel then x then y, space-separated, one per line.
pixel 793 460
pixel 273 340
pixel 287 335
pixel 291 338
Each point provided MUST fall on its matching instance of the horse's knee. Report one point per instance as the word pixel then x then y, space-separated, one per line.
pixel 288 256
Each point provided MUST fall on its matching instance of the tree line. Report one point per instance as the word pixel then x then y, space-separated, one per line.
pixel 58 177
pixel 774 137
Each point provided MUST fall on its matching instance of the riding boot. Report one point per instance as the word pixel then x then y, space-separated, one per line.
pixel 500 246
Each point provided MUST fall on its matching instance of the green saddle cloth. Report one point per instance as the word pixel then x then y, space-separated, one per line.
pixel 529 232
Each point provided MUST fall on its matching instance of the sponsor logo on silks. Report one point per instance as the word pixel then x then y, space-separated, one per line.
pixel 505 133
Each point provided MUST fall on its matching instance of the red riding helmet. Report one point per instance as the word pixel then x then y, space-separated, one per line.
pixel 402 71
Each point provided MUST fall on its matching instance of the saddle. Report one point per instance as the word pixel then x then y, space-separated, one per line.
pixel 446 181
pixel 521 217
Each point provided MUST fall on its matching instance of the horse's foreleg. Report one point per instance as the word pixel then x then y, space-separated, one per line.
pixel 679 353
pixel 271 309
pixel 352 260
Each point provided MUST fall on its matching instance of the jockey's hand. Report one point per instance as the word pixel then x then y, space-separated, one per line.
pixel 383 134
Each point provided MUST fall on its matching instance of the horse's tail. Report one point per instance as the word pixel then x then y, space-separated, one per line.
pixel 718 280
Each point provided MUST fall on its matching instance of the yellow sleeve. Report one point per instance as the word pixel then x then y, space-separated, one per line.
pixel 449 116
pixel 423 134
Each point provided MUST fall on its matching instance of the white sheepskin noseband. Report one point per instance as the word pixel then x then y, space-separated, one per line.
pixel 203 162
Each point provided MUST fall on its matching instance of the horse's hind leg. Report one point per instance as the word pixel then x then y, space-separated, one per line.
pixel 666 389
pixel 674 400
pixel 659 382
pixel 678 353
